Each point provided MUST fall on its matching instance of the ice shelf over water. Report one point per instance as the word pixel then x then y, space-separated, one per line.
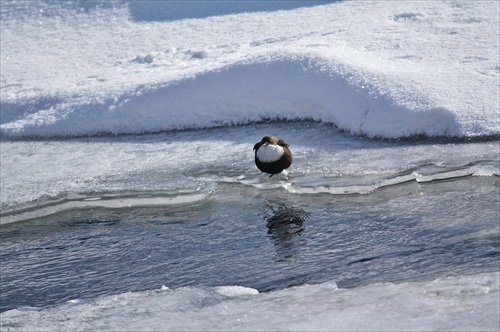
pixel 388 69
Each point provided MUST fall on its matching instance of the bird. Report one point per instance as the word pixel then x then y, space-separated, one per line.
pixel 272 155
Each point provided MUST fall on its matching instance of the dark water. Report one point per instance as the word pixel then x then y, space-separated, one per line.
pixel 264 239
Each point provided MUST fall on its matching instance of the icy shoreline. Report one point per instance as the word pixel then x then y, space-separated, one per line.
pixel 465 303
pixel 160 163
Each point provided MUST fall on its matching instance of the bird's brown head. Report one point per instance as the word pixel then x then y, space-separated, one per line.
pixel 269 139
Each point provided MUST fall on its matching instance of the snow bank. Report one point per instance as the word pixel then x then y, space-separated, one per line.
pixel 286 88
pixel 372 68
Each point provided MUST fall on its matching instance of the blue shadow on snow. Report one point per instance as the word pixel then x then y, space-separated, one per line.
pixel 178 10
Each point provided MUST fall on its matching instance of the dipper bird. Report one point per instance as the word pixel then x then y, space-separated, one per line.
pixel 272 155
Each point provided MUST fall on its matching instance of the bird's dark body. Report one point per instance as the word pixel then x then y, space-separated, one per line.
pixel 277 166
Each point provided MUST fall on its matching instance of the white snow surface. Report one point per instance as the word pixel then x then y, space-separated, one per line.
pixel 378 68
pixel 466 303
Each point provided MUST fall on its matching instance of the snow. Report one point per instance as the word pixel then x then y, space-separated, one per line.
pixel 465 303
pixel 375 68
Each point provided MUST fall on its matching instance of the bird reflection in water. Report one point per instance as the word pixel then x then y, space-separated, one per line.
pixel 285 226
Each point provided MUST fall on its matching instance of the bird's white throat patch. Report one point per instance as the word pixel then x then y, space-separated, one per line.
pixel 270 153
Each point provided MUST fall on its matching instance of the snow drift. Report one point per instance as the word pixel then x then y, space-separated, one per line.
pixel 421 69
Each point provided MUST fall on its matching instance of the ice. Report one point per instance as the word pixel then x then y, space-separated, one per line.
pixel 110 201
pixel 64 172
pixel 231 291
pixel 465 303
pixel 404 69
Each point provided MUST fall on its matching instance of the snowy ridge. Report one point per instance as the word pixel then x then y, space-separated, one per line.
pixel 288 88
pixel 437 74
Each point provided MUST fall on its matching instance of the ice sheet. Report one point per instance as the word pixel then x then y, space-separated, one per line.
pixel 466 303
pixel 192 163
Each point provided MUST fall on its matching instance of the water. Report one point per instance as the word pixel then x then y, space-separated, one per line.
pixel 263 239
